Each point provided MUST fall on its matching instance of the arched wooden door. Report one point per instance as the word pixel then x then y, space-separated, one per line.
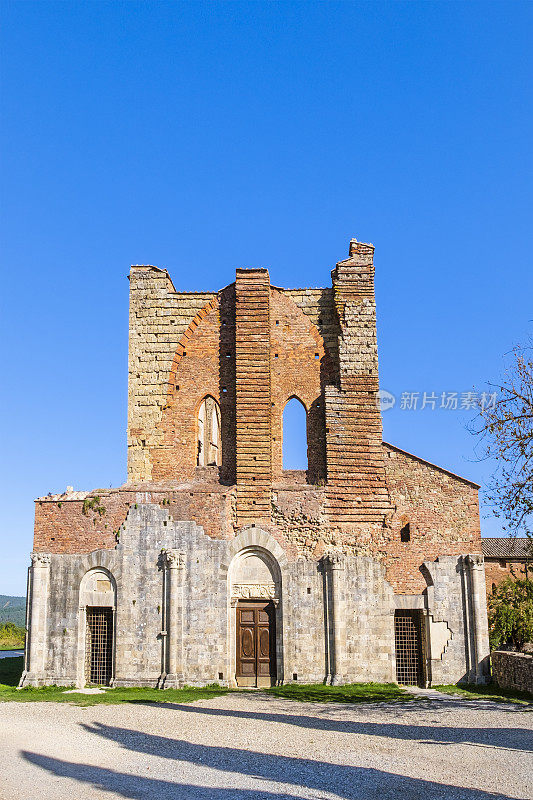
pixel 256 644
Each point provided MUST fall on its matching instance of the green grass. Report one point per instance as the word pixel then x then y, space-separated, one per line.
pixel 12 646
pixel 488 692
pixel 11 670
pixel 350 693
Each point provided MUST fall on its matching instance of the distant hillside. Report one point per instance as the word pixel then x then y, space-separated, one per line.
pixel 13 609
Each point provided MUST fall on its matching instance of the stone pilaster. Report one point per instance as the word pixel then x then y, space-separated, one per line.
pixel 175 566
pixel 36 640
pixel 480 659
pixel 335 571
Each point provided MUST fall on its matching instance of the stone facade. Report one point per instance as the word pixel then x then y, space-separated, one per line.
pixel 203 530
pixel 513 670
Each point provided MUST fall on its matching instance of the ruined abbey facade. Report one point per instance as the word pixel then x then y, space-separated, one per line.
pixel 214 564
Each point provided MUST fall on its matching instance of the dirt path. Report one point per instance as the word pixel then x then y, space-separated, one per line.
pixel 253 747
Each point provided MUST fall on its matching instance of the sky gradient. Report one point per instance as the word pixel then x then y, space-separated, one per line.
pixel 205 137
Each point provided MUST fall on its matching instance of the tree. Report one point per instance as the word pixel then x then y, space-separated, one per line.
pixel 505 427
pixel 510 608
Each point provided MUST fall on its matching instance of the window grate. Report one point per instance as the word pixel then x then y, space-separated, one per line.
pixel 408 641
pixel 99 646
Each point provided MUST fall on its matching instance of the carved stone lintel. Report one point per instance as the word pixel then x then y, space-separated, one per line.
pixel 247 591
pixel 40 559
pixel 174 559
pixel 475 561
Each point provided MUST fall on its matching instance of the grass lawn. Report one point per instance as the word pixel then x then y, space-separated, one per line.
pixel 488 692
pixel 10 646
pixel 350 693
pixel 11 670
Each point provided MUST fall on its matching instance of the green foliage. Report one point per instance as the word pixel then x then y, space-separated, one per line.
pixel 510 608
pixel 93 504
pixel 13 609
pixel 350 693
pixel 485 692
pixel 11 636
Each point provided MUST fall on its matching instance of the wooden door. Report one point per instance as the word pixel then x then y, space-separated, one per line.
pixel 256 664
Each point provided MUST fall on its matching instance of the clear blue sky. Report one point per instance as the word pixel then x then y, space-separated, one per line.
pixel 204 137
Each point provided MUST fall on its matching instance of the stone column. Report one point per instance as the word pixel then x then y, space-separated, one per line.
pixel 36 639
pixel 175 565
pixel 479 614
pixel 337 616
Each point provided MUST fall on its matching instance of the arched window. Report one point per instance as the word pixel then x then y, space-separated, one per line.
pixel 294 435
pixel 209 445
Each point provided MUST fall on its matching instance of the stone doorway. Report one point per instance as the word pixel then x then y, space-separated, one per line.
pixel 256 644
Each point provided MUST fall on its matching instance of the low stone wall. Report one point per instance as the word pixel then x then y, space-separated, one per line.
pixel 513 670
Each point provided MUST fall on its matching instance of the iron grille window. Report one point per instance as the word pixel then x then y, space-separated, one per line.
pixel 99 645
pixel 407 634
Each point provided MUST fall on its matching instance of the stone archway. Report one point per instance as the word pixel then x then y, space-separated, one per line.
pixel 255 623
pixel 96 627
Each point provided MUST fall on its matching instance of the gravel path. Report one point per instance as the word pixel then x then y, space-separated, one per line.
pixel 254 747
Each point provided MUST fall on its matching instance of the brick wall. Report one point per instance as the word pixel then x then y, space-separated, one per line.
pixel 253 403
pixel 441 509
pixel 62 527
pixel 252 347
pixel 357 489
pixel 159 317
pixel 496 570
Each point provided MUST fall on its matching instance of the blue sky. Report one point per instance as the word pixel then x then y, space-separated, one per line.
pixel 204 137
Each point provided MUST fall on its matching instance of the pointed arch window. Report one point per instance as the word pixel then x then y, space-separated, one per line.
pixel 209 450
pixel 295 435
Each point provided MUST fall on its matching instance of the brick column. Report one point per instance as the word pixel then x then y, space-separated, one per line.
pixel 38 598
pixel 357 489
pixel 253 403
pixel 175 564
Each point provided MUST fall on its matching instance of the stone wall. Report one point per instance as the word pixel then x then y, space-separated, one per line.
pixel 513 670
pixel 335 619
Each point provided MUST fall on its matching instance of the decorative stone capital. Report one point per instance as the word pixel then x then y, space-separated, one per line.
pixel 335 560
pixel 174 559
pixel 475 561
pixel 41 559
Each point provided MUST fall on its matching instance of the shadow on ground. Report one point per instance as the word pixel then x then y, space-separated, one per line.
pixel 498 738
pixel 350 783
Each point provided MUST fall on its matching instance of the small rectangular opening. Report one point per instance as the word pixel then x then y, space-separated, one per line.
pixel 295 676
pixel 405 533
